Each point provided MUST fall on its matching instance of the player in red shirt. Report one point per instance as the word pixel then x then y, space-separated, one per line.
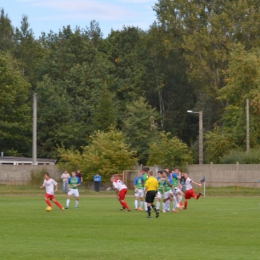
pixel 190 193
pixel 121 190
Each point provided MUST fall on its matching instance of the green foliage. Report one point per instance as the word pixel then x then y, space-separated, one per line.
pixel 234 156
pixel 37 176
pixel 105 113
pixel 169 152
pixel 6 32
pixel 140 127
pixel 217 144
pixel 242 78
pixel 107 154
pixel 15 120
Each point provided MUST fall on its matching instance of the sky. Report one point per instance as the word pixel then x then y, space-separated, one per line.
pixel 46 15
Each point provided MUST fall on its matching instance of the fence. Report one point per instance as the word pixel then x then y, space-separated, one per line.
pixel 21 174
pixel 217 175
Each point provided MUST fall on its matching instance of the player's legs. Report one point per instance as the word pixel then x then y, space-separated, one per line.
pixel 47 200
pixel 121 198
pixel 141 198
pixel 174 204
pixel 57 203
pixel 76 202
pixel 136 198
pixel 68 201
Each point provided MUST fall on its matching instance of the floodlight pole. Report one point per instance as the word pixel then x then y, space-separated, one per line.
pixel 34 147
pixel 247 127
pixel 200 134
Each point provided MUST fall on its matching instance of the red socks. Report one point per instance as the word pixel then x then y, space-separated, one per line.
pixel 58 204
pixel 185 204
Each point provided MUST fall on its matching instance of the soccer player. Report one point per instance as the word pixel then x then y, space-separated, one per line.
pixel 190 193
pixel 139 191
pixel 74 183
pixel 49 185
pixel 177 198
pixel 161 184
pixel 151 188
pixel 144 179
pixel 168 193
pixel 121 191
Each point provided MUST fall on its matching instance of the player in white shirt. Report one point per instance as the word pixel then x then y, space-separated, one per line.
pixel 49 185
pixel 190 193
pixel 121 191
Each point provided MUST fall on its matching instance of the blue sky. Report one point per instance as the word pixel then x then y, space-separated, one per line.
pixel 46 15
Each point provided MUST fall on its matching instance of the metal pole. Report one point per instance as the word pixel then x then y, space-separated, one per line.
pixel 200 137
pixel 247 127
pixel 34 148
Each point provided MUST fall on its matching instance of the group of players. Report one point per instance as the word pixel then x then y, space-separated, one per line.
pixel 172 186
pixel 168 188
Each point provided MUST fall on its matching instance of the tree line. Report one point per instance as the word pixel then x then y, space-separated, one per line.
pixel 198 54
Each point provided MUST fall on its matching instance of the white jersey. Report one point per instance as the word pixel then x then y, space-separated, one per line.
pixel 188 183
pixel 119 185
pixel 49 186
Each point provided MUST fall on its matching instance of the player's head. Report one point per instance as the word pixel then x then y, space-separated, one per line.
pixel 164 174
pixel 47 176
pixel 186 175
pixel 166 169
pixel 140 173
pixel 145 169
pixel 73 174
pixel 150 173
pixel 159 173
pixel 176 169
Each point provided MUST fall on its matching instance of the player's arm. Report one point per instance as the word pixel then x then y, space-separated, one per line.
pixel 56 187
pixel 169 183
pixel 199 184
pixel 42 187
pixel 79 182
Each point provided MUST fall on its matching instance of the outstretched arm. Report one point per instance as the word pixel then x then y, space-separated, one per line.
pixel 199 184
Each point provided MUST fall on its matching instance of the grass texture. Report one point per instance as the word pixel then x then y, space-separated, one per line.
pixel 211 228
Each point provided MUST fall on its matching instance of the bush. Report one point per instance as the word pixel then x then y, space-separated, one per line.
pixel 253 157
pixel 37 176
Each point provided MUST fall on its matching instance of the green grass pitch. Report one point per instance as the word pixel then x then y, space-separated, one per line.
pixel 211 228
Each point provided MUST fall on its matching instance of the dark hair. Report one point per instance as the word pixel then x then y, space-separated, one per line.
pixel 146 169
pixel 159 172
pixel 46 173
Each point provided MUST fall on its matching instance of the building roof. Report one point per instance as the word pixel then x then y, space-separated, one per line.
pixel 24 160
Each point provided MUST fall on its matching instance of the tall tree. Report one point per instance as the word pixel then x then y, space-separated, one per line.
pixel 28 51
pixel 15 119
pixel 6 32
pixel 140 126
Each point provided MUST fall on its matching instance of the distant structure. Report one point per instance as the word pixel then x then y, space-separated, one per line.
pixel 25 161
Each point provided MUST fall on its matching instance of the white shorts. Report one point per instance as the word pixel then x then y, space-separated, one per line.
pixel 139 193
pixel 158 195
pixel 74 192
pixel 176 190
pixel 167 194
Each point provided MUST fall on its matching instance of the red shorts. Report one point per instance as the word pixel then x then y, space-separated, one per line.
pixel 121 194
pixel 190 194
pixel 49 196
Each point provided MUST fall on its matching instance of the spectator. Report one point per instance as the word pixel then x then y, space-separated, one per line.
pixel 97 180
pixel 79 175
pixel 65 178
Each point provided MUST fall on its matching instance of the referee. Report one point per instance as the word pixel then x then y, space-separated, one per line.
pixel 151 187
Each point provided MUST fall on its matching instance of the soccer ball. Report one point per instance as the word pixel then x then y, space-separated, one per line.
pixel 48 209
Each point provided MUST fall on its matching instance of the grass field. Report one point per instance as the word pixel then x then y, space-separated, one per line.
pixel 211 228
